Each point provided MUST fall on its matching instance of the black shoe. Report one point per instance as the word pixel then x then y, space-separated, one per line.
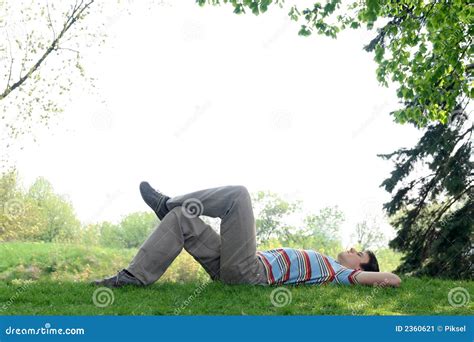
pixel 122 278
pixel 155 200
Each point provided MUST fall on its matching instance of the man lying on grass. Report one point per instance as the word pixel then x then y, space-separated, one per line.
pixel 232 257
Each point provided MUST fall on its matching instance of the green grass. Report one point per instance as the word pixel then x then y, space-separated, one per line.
pixel 414 297
pixel 76 263
pixel 52 281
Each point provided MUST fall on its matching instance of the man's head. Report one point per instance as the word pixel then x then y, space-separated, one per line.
pixel 365 260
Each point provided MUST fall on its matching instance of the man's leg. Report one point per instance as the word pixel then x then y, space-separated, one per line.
pixel 238 260
pixel 176 231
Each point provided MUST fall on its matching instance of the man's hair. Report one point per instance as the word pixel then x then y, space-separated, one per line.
pixel 372 265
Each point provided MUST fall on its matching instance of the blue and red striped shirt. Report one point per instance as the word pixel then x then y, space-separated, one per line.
pixel 297 266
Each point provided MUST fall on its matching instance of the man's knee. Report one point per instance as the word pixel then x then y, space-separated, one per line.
pixel 176 211
pixel 240 188
pixel 240 191
pixel 177 214
pixel 172 218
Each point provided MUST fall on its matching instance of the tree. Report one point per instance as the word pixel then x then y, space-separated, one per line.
pixel 40 50
pixel 89 235
pixel 61 223
pixel 327 223
pixel 277 224
pixel 270 214
pixel 367 234
pixel 433 211
pixel 20 218
pixel 423 46
pixel 135 228
pixel 322 231
pixel 110 235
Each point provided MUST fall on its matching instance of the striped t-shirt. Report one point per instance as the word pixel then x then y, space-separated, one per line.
pixel 296 266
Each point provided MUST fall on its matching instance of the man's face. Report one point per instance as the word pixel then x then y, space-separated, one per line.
pixel 352 258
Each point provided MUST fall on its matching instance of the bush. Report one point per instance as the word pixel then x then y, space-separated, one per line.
pixel 57 213
pixel 20 217
pixel 131 232
pixel 36 215
pixel 136 227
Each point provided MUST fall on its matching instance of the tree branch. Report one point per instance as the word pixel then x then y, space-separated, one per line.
pixel 76 13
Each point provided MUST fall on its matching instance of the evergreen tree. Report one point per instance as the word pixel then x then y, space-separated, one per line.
pixel 432 210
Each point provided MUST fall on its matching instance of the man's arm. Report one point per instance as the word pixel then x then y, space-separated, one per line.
pixel 378 279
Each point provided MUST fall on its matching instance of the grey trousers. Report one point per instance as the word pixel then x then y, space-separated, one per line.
pixel 229 257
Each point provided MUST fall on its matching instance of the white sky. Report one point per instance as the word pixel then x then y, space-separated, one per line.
pixel 192 97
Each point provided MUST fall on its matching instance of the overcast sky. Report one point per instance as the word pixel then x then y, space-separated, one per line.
pixel 191 98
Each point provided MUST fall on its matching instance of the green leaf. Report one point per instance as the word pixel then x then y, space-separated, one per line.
pixel 304 31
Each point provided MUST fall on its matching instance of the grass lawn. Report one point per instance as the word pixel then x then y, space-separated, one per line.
pixel 53 279
pixel 414 297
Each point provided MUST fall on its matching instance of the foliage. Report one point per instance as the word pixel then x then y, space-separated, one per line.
pixel 130 232
pixel 136 227
pixel 320 231
pixel 109 235
pixel 270 213
pixel 433 211
pixel 325 225
pixel 38 214
pixel 40 45
pixel 57 214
